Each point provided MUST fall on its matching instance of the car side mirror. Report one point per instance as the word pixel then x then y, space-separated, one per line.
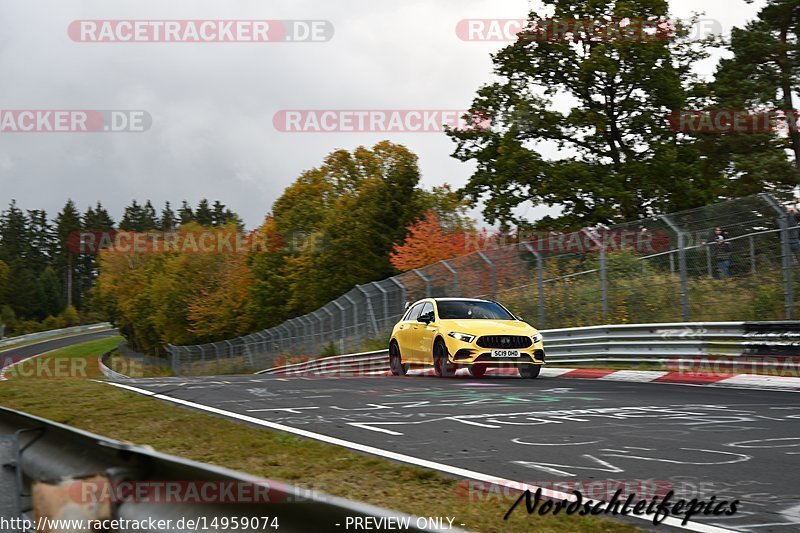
pixel 425 319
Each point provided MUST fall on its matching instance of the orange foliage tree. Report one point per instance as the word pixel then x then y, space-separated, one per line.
pixel 427 242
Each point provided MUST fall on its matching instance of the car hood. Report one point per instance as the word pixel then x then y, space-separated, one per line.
pixel 489 327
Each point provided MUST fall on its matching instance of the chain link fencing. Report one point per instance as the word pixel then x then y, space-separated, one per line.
pixel 669 268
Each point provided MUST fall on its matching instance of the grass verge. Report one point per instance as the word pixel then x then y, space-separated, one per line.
pixel 122 415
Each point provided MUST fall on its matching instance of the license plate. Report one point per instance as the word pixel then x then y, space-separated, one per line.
pixel 503 354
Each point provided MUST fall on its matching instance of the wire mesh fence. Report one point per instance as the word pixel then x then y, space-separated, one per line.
pixel 670 268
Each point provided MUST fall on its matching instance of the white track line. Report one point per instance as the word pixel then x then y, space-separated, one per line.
pixel 454 470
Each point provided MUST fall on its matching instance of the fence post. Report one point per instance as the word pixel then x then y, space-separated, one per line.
pixel 230 352
pixel 273 346
pixel 287 345
pixel 786 254
pixel 681 266
pixel 492 274
pixel 262 352
pixel 293 335
pixel 427 281
pixel 752 255
pixel 539 281
pixel 370 311
pixel 454 272
pixel 385 296
pixel 603 272
pixel 304 325
pixel 316 331
pixel 309 340
pixel 403 293
pixel 354 306
pixel 287 337
pixel 344 326
pixel 173 358
pixel 333 325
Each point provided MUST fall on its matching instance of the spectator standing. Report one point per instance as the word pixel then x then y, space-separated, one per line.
pixel 721 251
pixel 794 232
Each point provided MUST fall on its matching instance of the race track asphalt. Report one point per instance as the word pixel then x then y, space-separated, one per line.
pixel 9 356
pixel 593 435
pixel 12 355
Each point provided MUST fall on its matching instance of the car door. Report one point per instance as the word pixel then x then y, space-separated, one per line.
pixel 426 333
pixel 406 334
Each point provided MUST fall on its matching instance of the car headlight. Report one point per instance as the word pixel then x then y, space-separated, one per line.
pixel 537 338
pixel 463 337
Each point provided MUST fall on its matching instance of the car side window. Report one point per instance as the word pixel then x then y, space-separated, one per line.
pixel 413 315
pixel 427 311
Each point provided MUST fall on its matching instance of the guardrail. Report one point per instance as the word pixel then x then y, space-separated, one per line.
pixel 55 471
pixel 132 362
pixel 754 344
pixel 43 335
pixel 106 370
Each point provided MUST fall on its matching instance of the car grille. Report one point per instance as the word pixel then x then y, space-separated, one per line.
pixel 504 341
pixel 487 358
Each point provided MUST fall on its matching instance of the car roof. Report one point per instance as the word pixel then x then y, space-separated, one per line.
pixel 460 300
pixel 421 300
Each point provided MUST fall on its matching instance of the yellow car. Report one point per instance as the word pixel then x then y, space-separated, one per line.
pixel 448 333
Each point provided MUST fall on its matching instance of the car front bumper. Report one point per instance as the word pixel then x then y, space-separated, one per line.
pixel 469 353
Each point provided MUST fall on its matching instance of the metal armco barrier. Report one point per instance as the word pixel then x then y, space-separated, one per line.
pixel 106 370
pixel 132 357
pixel 43 335
pixel 762 344
pixel 53 470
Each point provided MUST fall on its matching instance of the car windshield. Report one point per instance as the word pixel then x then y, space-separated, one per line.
pixel 461 309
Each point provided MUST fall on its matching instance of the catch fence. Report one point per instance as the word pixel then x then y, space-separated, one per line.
pixel 670 268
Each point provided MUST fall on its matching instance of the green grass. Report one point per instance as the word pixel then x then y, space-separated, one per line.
pixel 126 416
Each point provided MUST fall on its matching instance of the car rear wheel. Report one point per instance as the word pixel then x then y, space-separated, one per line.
pixel 441 366
pixel 395 361
pixel 477 371
pixel 530 371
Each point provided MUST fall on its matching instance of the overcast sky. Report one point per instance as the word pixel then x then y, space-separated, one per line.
pixel 212 104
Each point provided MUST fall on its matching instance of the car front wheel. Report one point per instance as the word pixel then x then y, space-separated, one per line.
pixel 441 366
pixel 395 361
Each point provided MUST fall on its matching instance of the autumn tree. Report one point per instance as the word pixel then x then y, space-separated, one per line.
pixel 427 242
